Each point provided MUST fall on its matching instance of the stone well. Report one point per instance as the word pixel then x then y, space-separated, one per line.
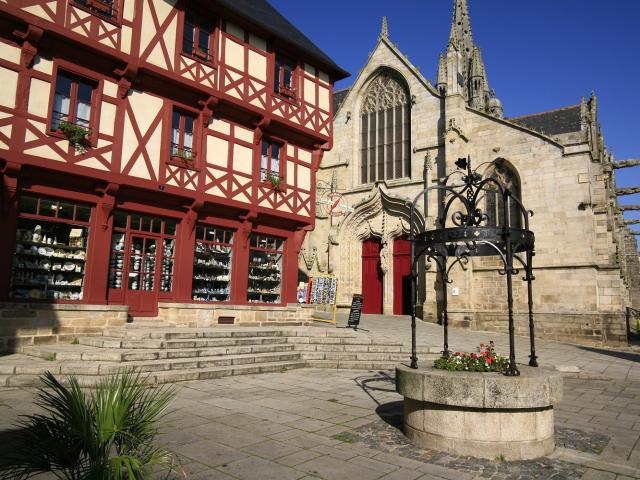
pixel 486 415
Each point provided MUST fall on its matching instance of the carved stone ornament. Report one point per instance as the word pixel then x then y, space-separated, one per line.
pixel 309 258
pixel 453 131
pixel 384 92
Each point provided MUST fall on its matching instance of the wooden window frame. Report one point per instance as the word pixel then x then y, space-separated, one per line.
pixel 288 93
pixel 230 244
pixel 96 99
pixel 97 8
pixel 210 58
pixel 179 161
pixel 282 186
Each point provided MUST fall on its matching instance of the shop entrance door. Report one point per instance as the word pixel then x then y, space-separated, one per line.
pixel 371 276
pixel 142 258
pixel 401 277
pixel 142 279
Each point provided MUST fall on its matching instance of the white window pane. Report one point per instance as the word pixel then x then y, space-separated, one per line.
pixel 188 140
pixel 84 113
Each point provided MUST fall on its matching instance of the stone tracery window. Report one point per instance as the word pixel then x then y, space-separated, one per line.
pixel 507 177
pixel 385 130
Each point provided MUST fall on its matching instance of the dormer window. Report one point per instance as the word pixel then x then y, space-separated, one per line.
pixel 197 37
pixel 284 77
pixel 104 8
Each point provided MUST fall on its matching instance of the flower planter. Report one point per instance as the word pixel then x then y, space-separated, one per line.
pixel 481 414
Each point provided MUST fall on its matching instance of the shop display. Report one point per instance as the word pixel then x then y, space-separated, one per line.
pixel 136 256
pixel 212 265
pixel 265 265
pixel 49 261
pixel 166 278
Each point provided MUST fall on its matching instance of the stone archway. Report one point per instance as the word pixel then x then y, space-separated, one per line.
pixel 378 216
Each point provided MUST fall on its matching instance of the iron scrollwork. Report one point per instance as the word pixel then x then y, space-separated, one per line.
pixel 463 230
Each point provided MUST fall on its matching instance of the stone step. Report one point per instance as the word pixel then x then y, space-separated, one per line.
pixel 354 364
pixel 190 333
pixel 96 354
pixel 171 376
pixel 365 357
pixel 105 368
pixel 157 343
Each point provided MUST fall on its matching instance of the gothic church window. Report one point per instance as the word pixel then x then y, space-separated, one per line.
pixel 507 177
pixel 385 130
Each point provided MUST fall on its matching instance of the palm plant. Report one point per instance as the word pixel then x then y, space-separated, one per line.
pixel 106 434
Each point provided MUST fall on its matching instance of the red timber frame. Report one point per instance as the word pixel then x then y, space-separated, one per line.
pixel 92 47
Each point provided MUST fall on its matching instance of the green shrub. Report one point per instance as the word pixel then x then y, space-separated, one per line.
pixel 105 434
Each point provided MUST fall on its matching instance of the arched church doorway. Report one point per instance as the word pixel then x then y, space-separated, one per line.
pixel 371 276
pixel 401 276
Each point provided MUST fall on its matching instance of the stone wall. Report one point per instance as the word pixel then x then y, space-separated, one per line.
pixel 581 287
pixel 201 315
pixel 36 324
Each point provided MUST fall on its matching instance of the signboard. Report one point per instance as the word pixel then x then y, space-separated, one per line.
pixel 355 311
pixel 323 289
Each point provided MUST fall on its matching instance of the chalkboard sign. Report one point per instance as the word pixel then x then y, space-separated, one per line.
pixel 355 311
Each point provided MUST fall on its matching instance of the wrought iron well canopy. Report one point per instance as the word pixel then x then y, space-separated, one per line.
pixel 463 230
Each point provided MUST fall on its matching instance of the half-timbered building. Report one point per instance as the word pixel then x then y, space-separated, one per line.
pixel 157 157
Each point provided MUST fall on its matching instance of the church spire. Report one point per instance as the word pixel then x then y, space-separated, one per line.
pixel 384 31
pixel 442 74
pixel 462 66
pixel 460 33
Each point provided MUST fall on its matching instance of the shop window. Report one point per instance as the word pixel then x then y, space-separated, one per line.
pixel 103 8
pixel 72 103
pixel 197 37
pixel 212 264
pixel 51 249
pixel 182 138
pixel 270 162
pixel 265 267
pixel 284 77
pixel 142 253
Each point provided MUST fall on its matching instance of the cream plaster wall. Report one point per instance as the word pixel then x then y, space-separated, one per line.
pixel 9 82
pixel 39 97
pixel 10 53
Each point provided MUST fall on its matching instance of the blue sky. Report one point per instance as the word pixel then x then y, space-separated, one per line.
pixel 539 54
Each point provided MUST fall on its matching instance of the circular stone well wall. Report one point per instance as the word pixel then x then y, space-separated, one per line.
pixel 486 415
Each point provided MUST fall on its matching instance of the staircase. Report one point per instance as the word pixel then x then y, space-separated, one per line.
pixel 170 354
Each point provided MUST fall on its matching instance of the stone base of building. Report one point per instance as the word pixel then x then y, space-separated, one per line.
pixel 484 415
pixel 598 328
pixel 38 324
pixel 201 315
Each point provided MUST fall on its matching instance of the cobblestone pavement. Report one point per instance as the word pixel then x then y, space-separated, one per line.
pixel 333 425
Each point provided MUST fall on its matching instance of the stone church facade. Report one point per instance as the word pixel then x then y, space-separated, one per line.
pixel 396 132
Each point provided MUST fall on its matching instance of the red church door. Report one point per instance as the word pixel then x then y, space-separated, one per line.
pixel 371 276
pixel 401 276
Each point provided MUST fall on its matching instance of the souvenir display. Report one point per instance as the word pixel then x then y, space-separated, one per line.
pixel 138 261
pixel 47 264
pixel 265 265
pixel 212 264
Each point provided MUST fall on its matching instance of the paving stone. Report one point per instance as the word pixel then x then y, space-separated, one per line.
pixel 598 475
pixel 300 456
pixel 271 449
pixel 338 470
pixel 209 452
pixel 253 467
pixel 402 474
